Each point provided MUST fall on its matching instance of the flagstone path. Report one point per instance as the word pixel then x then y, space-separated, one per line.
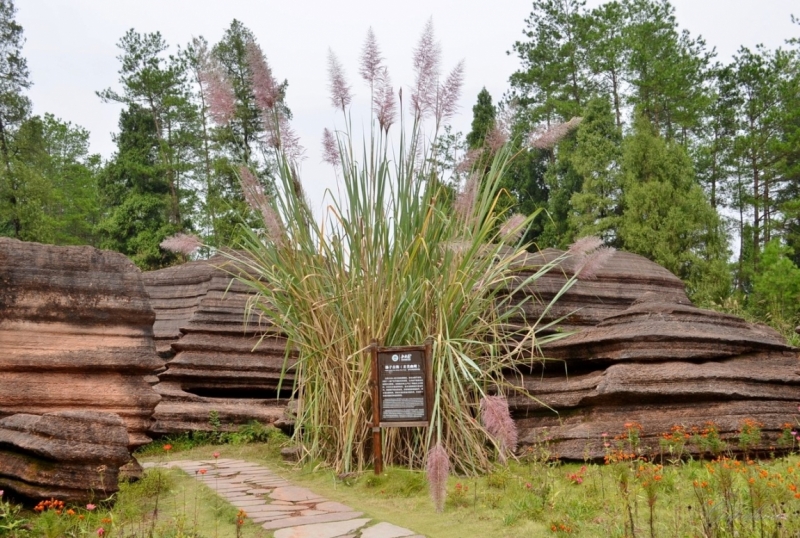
pixel 291 511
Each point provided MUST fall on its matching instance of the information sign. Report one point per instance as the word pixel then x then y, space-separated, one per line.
pixel 401 375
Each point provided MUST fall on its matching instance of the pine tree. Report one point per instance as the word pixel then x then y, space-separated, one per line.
pixel 596 208
pixel 666 216
pixel 136 193
pixel 483 120
pixel 14 109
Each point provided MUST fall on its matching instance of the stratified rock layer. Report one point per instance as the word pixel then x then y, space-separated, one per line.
pixel 75 334
pixel 221 376
pixel 623 279
pixel 72 456
pixel 175 294
pixel 654 363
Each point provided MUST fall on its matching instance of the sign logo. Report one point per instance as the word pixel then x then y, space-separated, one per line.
pixel 395 358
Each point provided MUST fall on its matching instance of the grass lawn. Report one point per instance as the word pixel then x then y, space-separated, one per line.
pixel 533 498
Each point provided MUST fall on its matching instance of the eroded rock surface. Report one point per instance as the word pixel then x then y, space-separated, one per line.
pixel 75 334
pixel 643 356
pixel 175 294
pixel 623 279
pixel 73 456
pixel 219 377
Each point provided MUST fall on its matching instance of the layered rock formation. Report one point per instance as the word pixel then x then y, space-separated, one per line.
pixel 217 380
pixel 644 358
pixel 72 456
pixel 75 333
pixel 175 294
pixel 624 278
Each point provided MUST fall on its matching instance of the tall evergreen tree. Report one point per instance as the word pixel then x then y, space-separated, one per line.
pixel 596 208
pixel 156 84
pixel 483 120
pixel 553 82
pixel 136 193
pixel 666 216
pixel 14 109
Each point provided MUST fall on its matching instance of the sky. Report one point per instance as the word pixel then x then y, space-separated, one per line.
pixel 71 49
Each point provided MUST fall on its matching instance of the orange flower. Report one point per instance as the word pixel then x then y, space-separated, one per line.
pixel 70 512
pixel 203 471
pixel 168 447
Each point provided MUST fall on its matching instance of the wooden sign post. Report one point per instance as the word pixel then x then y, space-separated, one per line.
pixel 402 391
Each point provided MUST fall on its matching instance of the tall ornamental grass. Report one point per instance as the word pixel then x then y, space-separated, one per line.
pixel 397 256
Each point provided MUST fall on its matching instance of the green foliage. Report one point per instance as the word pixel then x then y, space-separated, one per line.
pixel 776 286
pixel 483 120
pixel 666 216
pixel 252 432
pixel 597 207
pixel 136 194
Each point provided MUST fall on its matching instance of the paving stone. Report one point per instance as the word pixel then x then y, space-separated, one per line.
pixel 385 530
pixel 248 503
pixel 281 508
pixel 309 520
pixel 292 493
pixel 330 506
pixel 282 502
pixel 311 512
pixel 314 500
pixel 258 491
pixel 324 530
pixel 264 518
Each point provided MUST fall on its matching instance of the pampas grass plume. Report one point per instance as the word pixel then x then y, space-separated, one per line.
pixel 437 470
pixel 497 420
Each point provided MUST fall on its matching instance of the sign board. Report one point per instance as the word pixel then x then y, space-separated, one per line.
pixel 402 385
pixel 401 375
pixel 402 391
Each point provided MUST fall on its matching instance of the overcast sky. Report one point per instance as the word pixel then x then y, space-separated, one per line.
pixel 71 48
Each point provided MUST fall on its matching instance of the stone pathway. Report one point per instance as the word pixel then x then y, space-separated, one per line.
pixel 291 511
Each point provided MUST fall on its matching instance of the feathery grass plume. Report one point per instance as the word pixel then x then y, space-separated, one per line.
pixel 584 245
pixel 330 149
pixel 283 137
pixel 267 92
pixel 266 89
pixel 465 199
pixel 337 83
pixel 371 59
pixel 427 61
pixel 550 137
pixel 513 228
pixel 594 262
pixel 466 164
pixel 181 243
pixel 587 256
pixel 496 138
pixel 383 102
pixel 448 92
pixel 437 470
pixel 258 201
pixel 218 93
pixel 497 420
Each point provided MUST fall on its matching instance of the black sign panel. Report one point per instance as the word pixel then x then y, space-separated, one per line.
pixel 401 385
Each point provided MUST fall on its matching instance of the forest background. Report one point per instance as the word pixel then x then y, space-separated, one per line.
pixel 678 156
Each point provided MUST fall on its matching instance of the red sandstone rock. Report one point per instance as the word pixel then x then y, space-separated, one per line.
pixel 72 456
pixel 624 278
pixel 75 333
pixel 175 294
pixel 220 369
pixel 653 359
